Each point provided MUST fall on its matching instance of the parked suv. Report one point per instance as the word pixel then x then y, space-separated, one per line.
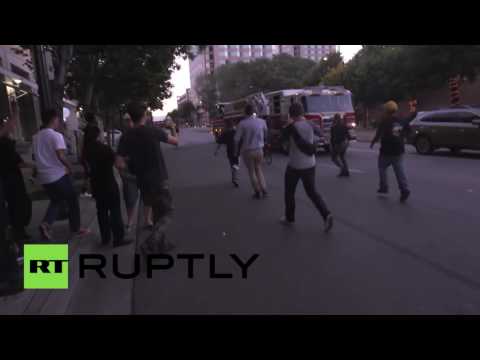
pixel 455 128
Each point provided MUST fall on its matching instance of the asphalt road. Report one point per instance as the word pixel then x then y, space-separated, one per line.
pixel 382 257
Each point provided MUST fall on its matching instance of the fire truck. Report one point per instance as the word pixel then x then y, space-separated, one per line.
pixel 321 103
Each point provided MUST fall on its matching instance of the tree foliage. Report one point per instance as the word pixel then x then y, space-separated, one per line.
pixel 115 74
pixel 316 74
pixel 381 72
pixel 187 110
pixel 104 77
pixel 240 79
pixel 206 88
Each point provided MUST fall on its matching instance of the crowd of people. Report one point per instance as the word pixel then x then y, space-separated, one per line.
pixel 139 161
pixel 143 172
pixel 248 140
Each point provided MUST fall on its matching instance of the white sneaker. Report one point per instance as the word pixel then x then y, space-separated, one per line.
pixel 284 221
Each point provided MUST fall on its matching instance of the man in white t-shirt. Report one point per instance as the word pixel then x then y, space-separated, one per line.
pixel 53 172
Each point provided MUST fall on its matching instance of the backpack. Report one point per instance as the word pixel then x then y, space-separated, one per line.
pixel 304 146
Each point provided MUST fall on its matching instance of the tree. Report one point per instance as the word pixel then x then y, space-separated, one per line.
pixel 317 73
pixel 206 88
pixel 174 114
pixel 90 72
pixel 241 79
pixel 382 72
pixel 187 111
pixel 335 76
pixel 432 65
pixel 102 72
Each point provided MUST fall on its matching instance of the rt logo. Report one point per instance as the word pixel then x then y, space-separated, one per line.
pixel 45 266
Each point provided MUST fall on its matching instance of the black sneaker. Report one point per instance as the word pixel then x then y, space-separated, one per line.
pixel 328 223
pixel 264 194
pixel 404 196
pixel 9 288
pixel 235 184
pixel 256 195
pixel 382 191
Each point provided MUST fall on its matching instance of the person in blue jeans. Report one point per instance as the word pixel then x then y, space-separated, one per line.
pixel 53 172
pixel 391 132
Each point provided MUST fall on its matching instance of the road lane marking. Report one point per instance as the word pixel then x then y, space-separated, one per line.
pixel 336 167
pixel 363 150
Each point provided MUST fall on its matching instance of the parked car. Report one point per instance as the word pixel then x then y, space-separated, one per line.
pixel 455 128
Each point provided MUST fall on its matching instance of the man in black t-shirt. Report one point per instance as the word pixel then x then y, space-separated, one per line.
pixel 100 159
pixel 391 133
pixel 140 147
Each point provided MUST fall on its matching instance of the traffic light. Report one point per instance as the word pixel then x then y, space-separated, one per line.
pixel 454 91
pixel 412 104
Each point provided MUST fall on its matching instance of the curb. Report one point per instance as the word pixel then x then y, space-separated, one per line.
pixel 46 301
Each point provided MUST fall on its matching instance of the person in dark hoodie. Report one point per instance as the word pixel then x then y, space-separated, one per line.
pixel 391 133
pixel 339 138
pixel 228 138
pixel 18 201
pixel 100 160
pixel 11 281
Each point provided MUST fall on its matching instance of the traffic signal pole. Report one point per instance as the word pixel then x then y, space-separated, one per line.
pixel 454 85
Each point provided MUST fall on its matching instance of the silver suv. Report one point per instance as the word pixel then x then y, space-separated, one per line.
pixel 455 128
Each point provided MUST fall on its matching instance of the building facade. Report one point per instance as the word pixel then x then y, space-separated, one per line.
pixel 185 98
pixel 19 91
pixel 214 56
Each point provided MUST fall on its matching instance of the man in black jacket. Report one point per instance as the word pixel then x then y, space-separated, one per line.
pixel 16 196
pixel 10 279
pixel 228 138
pixel 339 138
pixel 391 133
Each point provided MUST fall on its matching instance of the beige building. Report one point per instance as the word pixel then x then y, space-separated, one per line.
pixel 185 98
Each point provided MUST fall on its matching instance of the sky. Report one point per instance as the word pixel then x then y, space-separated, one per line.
pixel 181 79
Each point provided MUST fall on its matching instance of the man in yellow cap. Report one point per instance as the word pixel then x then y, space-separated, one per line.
pixel 391 133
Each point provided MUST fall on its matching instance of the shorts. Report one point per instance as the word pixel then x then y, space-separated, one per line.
pixel 159 199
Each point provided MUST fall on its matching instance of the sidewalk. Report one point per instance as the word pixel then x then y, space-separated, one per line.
pixel 91 295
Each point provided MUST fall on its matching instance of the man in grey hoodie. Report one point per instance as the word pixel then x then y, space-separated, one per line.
pixel 301 165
